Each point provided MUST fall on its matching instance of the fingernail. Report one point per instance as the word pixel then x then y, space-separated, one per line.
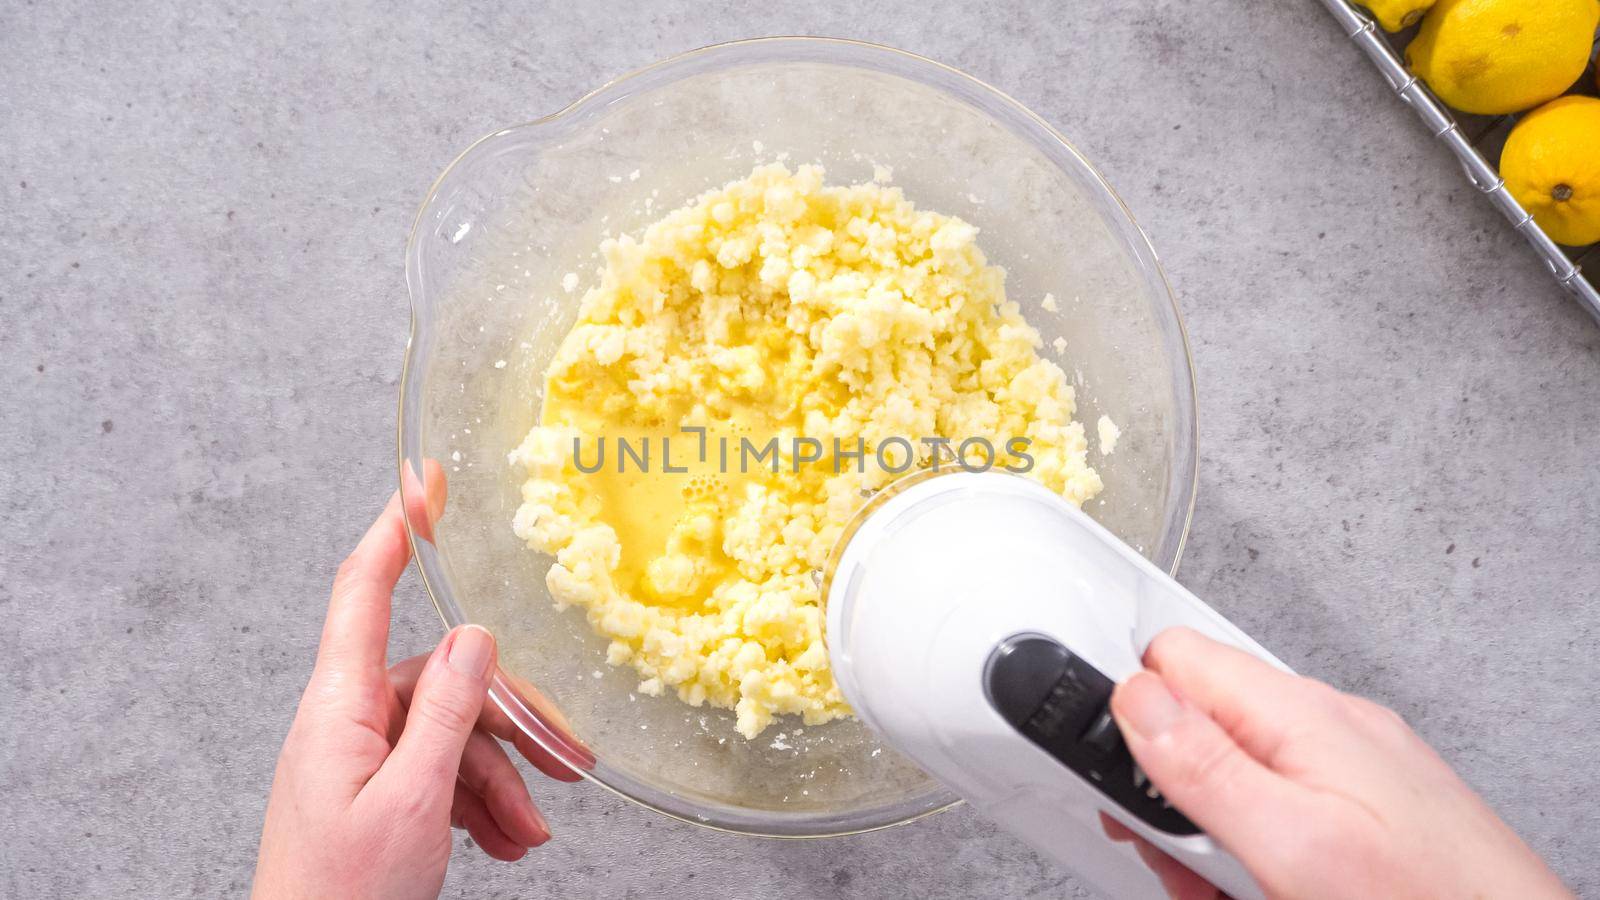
pixel 472 651
pixel 1145 706
pixel 544 826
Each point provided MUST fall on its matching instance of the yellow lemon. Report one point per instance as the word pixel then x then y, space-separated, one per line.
pixel 1394 15
pixel 1503 56
pixel 1551 164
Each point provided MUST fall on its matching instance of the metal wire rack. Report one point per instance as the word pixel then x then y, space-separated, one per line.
pixel 1469 142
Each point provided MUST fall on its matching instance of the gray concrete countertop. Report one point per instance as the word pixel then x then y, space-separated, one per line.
pixel 204 213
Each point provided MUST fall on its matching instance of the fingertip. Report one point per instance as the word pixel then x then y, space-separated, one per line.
pixel 424 497
pixel 472 814
pixel 528 825
pixel 436 486
pixel 541 838
pixel 1175 643
pixel 496 846
pixel 541 826
pixel 1144 707
pixel 1179 882
pixel 544 760
pixel 472 651
pixel 503 849
pixel 1115 831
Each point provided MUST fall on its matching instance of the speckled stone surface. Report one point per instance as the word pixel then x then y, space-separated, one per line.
pixel 204 212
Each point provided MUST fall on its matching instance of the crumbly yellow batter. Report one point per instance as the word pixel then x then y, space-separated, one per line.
pixel 775 306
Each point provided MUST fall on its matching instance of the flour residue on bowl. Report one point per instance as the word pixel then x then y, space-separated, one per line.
pixel 825 322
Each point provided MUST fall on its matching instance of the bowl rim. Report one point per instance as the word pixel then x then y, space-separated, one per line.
pixel 1184 481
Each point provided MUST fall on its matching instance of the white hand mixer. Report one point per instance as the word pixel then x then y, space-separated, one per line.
pixel 978 622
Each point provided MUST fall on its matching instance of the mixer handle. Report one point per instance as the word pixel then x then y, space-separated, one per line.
pixel 1062 704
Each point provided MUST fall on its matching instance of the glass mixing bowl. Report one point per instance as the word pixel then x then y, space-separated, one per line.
pixel 520 209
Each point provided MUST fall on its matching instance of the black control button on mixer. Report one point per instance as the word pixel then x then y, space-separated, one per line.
pixel 1103 738
pixel 1060 703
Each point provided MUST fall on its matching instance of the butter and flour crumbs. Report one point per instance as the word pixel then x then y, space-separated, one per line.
pixel 774 306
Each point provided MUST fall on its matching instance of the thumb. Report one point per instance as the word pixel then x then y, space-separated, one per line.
pixel 1201 770
pixel 444 709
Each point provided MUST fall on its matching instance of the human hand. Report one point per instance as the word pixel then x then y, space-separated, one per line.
pixel 1318 793
pixel 380 763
